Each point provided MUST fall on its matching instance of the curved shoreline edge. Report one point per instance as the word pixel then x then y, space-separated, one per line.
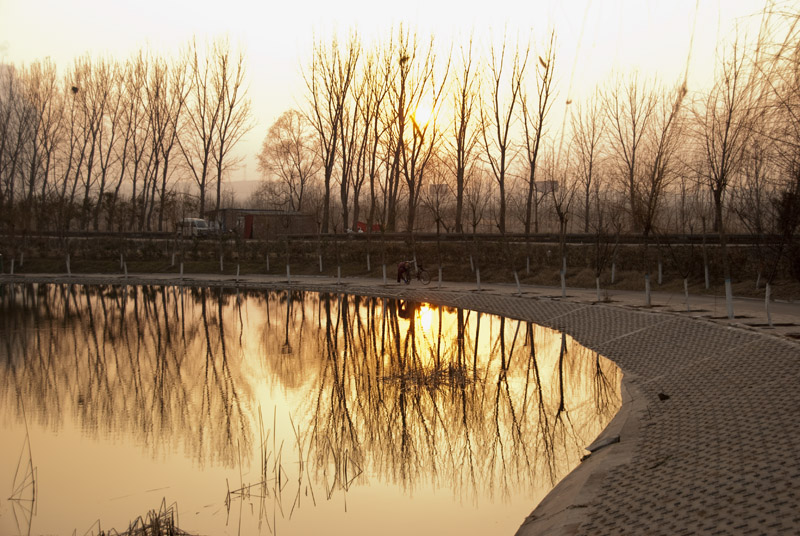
pixel 709 411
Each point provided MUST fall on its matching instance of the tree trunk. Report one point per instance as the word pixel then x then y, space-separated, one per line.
pixel 723 244
pixel 586 210
pixel 459 200
pixel 326 204
pixel 501 220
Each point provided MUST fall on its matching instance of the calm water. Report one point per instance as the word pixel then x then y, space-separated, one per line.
pixel 276 413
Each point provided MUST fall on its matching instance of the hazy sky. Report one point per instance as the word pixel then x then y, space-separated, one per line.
pixel 595 37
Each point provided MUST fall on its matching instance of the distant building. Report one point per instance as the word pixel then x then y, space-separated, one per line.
pixel 361 227
pixel 263 224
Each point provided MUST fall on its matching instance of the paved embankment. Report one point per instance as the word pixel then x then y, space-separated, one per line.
pixel 705 442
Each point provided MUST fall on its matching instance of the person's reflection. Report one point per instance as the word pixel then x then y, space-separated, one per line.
pixel 405 309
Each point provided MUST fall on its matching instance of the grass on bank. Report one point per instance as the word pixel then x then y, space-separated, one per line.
pixel 535 263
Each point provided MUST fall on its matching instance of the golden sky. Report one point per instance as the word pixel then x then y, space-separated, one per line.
pixel 595 37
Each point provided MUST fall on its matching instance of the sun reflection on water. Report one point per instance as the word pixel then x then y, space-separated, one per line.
pixel 425 316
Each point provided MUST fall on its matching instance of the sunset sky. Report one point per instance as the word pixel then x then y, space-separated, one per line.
pixel 595 38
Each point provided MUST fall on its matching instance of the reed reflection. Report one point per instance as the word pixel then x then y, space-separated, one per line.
pixel 368 389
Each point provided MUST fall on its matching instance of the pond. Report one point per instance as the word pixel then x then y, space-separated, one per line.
pixel 275 412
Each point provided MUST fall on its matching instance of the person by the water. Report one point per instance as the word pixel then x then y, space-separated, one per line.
pixel 404 271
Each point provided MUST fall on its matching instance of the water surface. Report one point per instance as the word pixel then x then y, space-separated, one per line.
pixel 283 413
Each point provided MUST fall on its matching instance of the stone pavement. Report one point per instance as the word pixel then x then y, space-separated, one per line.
pixel 705 442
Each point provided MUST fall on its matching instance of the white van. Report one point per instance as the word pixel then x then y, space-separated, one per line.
pixel 193 227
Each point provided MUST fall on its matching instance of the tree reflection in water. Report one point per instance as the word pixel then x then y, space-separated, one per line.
pixel 358 390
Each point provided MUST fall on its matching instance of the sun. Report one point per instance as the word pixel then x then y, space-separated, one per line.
pixel 422 114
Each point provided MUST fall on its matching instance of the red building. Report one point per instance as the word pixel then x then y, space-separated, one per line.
pixel 263 224
pixel 361 227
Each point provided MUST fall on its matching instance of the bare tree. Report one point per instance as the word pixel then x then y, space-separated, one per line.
pixel 130 118
pixel 172 106
pixel 725 121
pixel 16 134
pixel 85 120
pixel 645 130
pixel 413 101
pixel 777 60
pixel 533 120
pixel 8 98
pixel 288 155
pixel 109 138
pixel 365 132
pixel 351 149
pixel 434 195
pixel 328 82
pixel 397 117
pixel 497 117
pixel 465 134
pixel 198 132
pixel 101 129
pixel 424 93
pixel 165 95
pixel 138 152
pixel 587 130
pixel 234 120
pixel 606 228
pixel 563 186
pixel 97 83
pixel 377 73
pixel 44 94
pixel 476 196
pixel 750 199
pixel 630 108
